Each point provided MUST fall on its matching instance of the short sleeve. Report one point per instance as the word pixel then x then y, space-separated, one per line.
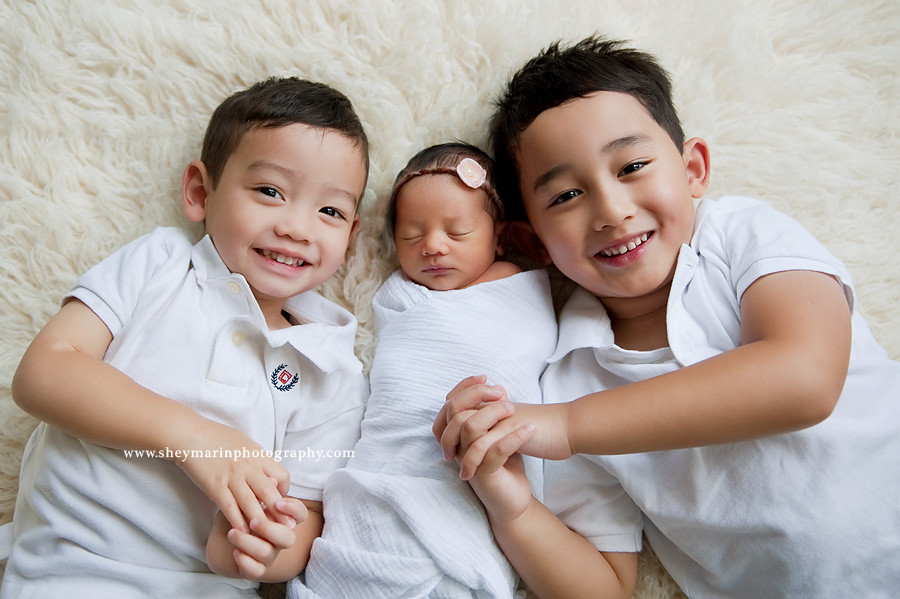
pixel 592 502
pixel 756 240
pixel 112 289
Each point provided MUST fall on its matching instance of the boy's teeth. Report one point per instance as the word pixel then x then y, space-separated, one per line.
pixel 626 247
pixel 290 261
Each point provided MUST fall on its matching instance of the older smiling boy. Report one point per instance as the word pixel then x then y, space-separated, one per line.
pixel 713 386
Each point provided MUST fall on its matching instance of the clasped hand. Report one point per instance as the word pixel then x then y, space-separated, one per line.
pixel 256 517
pixel 485 433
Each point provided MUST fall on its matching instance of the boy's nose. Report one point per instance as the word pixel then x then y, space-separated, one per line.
pixel 293 224
pixel 612 209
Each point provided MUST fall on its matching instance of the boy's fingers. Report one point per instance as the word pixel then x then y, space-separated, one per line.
pixel 473 397
pixel 469 425
pixel 230 509
pixel 253 554
pixel 497 456
pixel 468 394
pixel 272 533
pixel 267 495
pixel 473 457
pixel 483 420
pixel 279 476
pixel 478 379
pixel 459 408
pixel 450 438
pixel 293 508
pixel 249 502
pixel 248 567
pixel 440 422
pixel 474 454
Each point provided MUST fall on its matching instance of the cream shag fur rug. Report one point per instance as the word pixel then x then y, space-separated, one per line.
pixel 102 104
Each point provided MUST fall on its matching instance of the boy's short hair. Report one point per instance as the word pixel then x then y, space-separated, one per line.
pixel 443 159
pixel 558 75
pixel 278 102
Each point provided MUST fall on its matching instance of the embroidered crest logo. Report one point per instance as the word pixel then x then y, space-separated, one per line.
pixel 282 379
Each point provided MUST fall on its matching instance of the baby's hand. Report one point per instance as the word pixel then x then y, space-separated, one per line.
pixel 256 551
pixel 239 485
pixel 476 416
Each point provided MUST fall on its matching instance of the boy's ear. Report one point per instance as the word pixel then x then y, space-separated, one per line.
pixel 195 191
pixel 697 165
pixel 502 239
pixel 354 228
pixel 522 235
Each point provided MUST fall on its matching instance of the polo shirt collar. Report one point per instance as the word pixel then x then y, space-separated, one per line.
pixel 326 338
pixel 584 323
pixel 328 334
pixel 207 263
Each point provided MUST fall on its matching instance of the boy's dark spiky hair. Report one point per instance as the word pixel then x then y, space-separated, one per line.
pixel 560 74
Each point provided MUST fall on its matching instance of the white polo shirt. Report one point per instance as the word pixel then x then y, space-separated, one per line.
pixel 90 521
pixel 812 514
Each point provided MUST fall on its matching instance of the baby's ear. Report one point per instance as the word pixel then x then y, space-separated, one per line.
pixel 195 191
pixel 522 235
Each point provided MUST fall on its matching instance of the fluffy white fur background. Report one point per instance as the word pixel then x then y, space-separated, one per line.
pixel 103 102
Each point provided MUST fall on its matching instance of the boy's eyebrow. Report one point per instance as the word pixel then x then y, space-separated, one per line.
pixel 614 145
pixel 625 142
pixel 265 164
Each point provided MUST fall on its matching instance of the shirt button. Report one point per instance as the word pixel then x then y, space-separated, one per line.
pixel 234 287
pixel 237 338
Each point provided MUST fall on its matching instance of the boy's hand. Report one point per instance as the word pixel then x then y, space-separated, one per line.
pixel 256 551
pixel 500 481
pixel 477 416
pixel 464 401
pixel 239 487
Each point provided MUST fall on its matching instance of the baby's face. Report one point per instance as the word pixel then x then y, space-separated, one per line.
pixel 445 239
pixel 608 194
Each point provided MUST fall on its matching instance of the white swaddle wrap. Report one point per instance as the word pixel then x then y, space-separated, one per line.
pixel 399 522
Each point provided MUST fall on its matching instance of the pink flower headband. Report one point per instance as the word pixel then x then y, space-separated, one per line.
pixel 470 172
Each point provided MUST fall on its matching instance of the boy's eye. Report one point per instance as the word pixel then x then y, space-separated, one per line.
pixel 333 212
pixel 458 235
pixel 411 238
pixel 269 191
pixel 565 197
pixel 633 167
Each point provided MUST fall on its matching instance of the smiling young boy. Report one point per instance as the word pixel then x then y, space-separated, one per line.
pixel 713 384
pixel 218 356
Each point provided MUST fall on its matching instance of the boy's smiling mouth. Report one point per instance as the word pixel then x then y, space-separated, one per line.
pixel 282 258
pixel 622 248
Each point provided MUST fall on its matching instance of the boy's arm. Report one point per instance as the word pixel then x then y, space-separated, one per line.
pixel 554 561
pixel 272 552
pixel 786 375
pixel 94 401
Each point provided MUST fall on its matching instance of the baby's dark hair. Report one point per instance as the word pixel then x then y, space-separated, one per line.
pixel 443 159
pixel 278 102
pixel 558 75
